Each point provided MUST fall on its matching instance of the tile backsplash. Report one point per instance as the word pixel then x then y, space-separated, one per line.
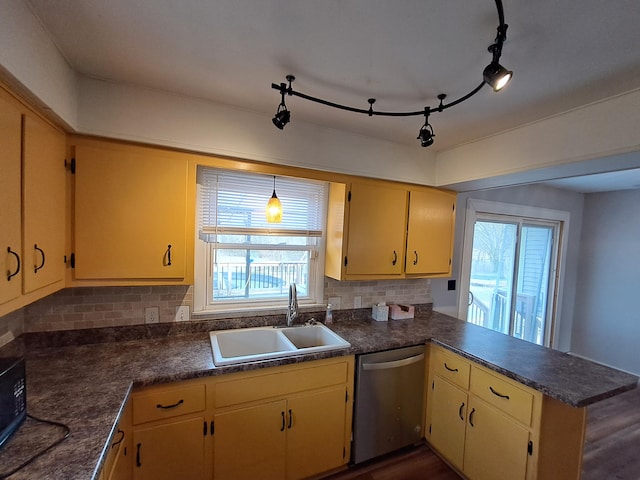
pixel 92 307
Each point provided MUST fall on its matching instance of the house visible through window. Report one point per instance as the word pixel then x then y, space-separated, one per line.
pixel 249 263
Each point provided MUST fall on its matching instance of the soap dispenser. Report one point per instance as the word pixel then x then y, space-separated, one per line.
pixel 328 319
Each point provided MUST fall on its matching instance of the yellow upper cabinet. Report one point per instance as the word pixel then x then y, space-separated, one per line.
pixel 131 215
pixel 385 230
pixel 43 204
pixel 32 217
pixel 11 257
pixel 430 232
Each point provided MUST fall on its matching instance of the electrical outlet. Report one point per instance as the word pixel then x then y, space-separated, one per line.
pixel 335 302
pixel 152 315
pixel 357 301
pixel 182 313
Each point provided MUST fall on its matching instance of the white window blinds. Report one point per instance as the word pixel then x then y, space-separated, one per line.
pixel 233 203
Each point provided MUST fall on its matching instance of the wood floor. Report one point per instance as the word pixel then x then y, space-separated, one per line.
pixel 611 452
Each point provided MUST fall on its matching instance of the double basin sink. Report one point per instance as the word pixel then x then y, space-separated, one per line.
pixel 244 345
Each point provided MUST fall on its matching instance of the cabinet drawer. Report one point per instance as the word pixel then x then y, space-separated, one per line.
pixel 166 403
pixel 451 366
pixel 258 387
pixel 503 394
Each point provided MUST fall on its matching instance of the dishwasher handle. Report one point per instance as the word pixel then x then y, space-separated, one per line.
pixel 394 364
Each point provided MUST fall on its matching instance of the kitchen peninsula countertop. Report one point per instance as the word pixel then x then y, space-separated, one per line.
pixel 84 385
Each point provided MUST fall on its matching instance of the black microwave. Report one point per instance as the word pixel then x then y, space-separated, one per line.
pixel 13 396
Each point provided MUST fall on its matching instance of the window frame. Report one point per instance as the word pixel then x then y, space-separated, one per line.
pixel 203 303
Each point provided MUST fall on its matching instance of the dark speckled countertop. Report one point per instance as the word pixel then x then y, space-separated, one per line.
pixel 84 384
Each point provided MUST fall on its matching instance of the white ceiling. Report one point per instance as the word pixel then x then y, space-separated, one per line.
pixel 564 54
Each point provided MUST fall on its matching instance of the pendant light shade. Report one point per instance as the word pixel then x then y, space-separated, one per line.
pixel 274 207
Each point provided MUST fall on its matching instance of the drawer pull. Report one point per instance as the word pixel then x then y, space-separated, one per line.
pixel 473 410
pixel 497 394
pixel 450 369
pixel 460 411
pixel 290 419
pixel 395 258
pixel 138 462
pixel 166 407
pixel 283 422
pixel 415 252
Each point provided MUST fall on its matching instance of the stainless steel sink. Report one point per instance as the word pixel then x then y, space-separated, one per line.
pixel 244 345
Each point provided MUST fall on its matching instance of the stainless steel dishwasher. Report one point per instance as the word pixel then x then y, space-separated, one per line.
pixel 389 401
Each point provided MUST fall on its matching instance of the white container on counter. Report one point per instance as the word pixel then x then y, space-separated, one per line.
pixel 380 312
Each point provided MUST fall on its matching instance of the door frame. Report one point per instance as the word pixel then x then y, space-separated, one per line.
pixel 475 207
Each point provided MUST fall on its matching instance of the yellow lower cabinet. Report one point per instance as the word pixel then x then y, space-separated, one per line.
pixel 496 446
pixel 315 433
pixel 249 442
pixel 288 422
pixel 170 451
pixel 491 427
pixel 448 420
pixel 293 438
pixel 119 462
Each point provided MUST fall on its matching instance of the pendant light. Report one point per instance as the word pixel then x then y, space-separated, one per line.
pixel 274 207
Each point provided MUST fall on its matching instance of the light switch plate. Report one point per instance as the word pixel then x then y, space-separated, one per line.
pixel 182 313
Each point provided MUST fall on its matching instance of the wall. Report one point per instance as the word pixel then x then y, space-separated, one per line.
pixel 94 307
pixel 607 128
pixel 32 64
pixel 535 196
pixel 606 325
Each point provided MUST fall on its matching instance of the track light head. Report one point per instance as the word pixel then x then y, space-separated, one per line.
pixel 425 135
pixel 496 76
pixel 281 118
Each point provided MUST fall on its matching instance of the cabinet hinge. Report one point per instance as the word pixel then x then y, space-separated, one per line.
pixel 71 164
pixel 72 260
pixel 204 430
pixel 349 196
pixel 530 448
pixel 212 427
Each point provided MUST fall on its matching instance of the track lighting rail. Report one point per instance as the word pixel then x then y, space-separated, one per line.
pixel 494 75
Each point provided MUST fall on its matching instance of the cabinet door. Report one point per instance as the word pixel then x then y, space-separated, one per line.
pixel 249 443
pixel 315 433
pixel 11 257
pixel 430 232
pixel 43 204
pixel 377 226
pixel 448 420
pixel 130 214
pixel 170 451
pixel 496 446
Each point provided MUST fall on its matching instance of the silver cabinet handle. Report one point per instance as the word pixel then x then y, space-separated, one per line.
pixel 395 364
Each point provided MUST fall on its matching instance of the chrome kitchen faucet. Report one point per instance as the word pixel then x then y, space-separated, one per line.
pixel 292 309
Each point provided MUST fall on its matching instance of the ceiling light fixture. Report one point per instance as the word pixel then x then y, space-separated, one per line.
pixel 425 135
pixel 494 75
pixel 283 116
pixel 274 207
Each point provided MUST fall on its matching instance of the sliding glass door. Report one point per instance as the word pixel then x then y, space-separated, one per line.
pixel 511 277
